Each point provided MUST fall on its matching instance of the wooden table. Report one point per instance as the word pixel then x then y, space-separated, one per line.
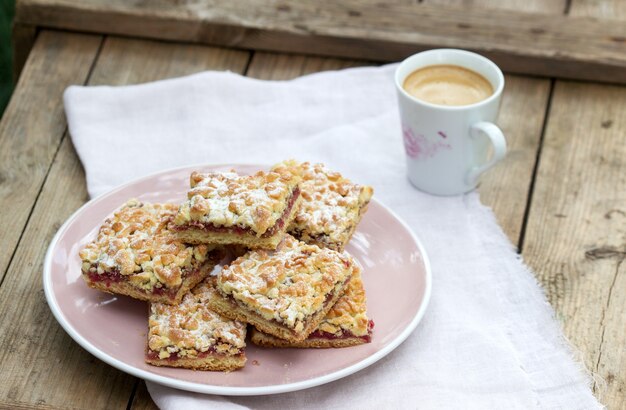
pixel 560 195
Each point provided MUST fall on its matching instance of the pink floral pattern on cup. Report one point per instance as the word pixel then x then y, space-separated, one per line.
pixel 417 146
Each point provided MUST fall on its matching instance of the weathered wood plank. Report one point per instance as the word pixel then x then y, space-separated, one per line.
pixel 576 229
pixel 506 188
pixel 142 399
pixel 575 237
pixel 531 6
pixel 26 406
pixel 131 61
pixel 604 9
pixel 45 365
pixel 32 127
pixel 273 66
pixel 22 40
pixel 530 43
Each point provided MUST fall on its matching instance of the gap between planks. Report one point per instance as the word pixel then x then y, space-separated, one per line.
pixel 120 64
pixel 30 138
pixel 560 45
pixel 167 60
pixel 56 152
pixel 574 239
pixel 546 118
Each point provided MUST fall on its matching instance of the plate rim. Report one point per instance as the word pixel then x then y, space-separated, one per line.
pixel 211 388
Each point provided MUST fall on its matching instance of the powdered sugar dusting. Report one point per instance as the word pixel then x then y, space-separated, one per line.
pixel 287 285
pixel 332 205
pixel 191 328
pixel 253 202
pixel 136 243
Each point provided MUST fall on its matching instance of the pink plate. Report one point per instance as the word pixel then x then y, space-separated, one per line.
pixel 113 328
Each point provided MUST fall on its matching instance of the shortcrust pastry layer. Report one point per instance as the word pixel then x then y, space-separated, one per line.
pixel 227 204
pixel 205 233
pixel 135 253
pixel 286 292
pixel 208 362
pixel 232 309
pixel 316 340
pixel 191 335
pixel 346 324
pixel 112 282
pixel 332 206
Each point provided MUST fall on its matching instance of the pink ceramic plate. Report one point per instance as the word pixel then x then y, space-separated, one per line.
pixel 113 328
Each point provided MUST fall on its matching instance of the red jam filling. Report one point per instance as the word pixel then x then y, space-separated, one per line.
pixel 345 334
pixel 330 295
pixel 280 223
pixel 107 277
pixel 115 276
pixel 152 355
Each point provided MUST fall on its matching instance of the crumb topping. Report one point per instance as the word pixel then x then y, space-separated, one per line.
pixel 349 313
pixel 191 328
pixel 137 244
pixel 287 285
pixel 227 199
pixel 331 204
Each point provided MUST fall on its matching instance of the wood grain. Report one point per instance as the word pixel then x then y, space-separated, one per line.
pixel 576 233
pixel 45 365
pixel 506 187
pixel 576 237
pixel 604 9
pixel 142 399
pixel 24 406
pixel 274 66
pixel 132 61
pixel 534 43
pixel 32 127
pixel 22 40
pixel 36 352
pixel 531 6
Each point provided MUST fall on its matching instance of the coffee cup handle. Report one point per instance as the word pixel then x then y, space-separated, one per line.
pixel 499 148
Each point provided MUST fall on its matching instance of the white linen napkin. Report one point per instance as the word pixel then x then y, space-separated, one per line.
pixel 489 338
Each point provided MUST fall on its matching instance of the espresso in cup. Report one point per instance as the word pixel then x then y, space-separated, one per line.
pixel 448 101
pixel 448 85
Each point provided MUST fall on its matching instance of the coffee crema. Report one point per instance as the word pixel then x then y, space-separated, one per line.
pixel 447 85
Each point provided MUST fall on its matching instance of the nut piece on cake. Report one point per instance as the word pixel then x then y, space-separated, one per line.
pixel 331 208
pixel 285 293
pixel 346 324
pixel 192 336
pixel 136 254
pixel 226 208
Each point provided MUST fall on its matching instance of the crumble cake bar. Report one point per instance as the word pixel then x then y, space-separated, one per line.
pixel 331 208
pixel 346 324
pixel 136 254
pixel 226 208
pixel 286 292
pixel 192 336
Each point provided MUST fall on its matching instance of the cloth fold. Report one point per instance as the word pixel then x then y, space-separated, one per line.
pixel 489 338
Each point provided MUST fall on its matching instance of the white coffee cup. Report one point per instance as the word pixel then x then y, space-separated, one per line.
pixel 447 146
